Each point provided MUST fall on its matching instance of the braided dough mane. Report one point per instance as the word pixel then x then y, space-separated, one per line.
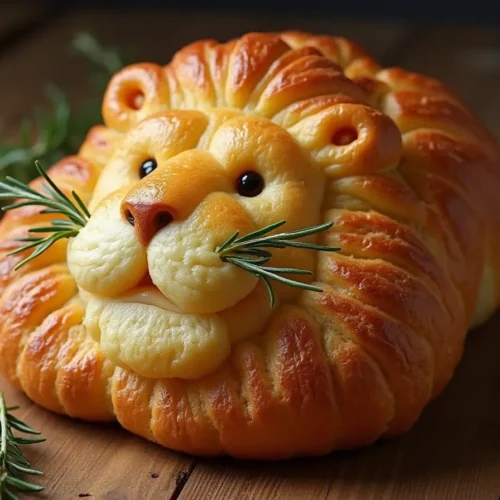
pixel 405 171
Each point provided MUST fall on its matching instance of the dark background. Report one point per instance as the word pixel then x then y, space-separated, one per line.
pixel 456 41
pixel 484 11
pixel 487 11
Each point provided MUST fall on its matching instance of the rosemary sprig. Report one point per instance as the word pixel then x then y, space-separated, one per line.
pixel 56 202
pixel 247 252
pixel 13 465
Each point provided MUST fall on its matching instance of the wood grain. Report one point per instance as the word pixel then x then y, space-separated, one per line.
pixel 103 461
pixel 453 453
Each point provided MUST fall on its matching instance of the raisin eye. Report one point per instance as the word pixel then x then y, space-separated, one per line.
pixel 147 167
pixel 250 184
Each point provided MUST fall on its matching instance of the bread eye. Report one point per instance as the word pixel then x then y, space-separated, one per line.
pixel 147 167
pixel 250 184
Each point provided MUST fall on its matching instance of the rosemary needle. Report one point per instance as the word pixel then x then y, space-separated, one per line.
pixel 247 253
pixel 75 213
pixel 13 465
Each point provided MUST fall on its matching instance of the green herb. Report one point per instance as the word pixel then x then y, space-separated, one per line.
pixel 248 253
pixel 60 131
pixel 50 145
pixel 13 465
pixel 109 59
pixel 75 213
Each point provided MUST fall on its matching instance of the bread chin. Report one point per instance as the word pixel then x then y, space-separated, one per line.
pixel 157 343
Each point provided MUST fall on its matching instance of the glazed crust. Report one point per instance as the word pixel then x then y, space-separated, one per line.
pixel 417 217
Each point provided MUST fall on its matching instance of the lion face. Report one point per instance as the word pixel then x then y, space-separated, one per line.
pixel 159 299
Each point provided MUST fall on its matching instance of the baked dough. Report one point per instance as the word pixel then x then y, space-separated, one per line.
pixel 146 325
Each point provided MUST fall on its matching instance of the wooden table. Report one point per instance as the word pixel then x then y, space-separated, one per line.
pixel 454 450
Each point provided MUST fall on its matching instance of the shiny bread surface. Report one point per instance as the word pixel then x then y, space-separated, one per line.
pixel 200 362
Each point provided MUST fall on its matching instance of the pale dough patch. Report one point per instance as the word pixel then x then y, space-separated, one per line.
pixel 157 343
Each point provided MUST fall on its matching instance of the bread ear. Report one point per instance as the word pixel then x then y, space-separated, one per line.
pixel 133 93
pixel 350 139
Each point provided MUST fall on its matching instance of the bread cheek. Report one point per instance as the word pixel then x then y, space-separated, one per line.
pixel 106 257
pixel 116 175
pixel 294 185
pixel 161 344
pixel 298 204
pixel 251 143
pixel 93 311
pixel 184 265
pixel 291 201
pixel 162 137
pixel 249 316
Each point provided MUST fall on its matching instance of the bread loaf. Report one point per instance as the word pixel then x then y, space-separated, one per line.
pixel 137 319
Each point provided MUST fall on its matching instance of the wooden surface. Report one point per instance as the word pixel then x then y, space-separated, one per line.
pixel 453 453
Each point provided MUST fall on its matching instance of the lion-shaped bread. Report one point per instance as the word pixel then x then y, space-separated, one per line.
pixel 138 319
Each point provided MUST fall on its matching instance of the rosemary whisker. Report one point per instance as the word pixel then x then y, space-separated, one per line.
pixel 299 244
pixel 81 204
pixel 75 213
pixel 251 253
pixel 13 206
pixel 254 251
pixel 228 242
pixel 264 230
pixel 271 275
pixel 62 222
pixel 288 270
pixel 56 189
pixel 300 233
pixel 253 260
pixel 11 182
pixel 270 290
pixel 53 229
pixel 34 243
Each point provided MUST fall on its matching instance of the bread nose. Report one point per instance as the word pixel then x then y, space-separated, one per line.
pixel 172 192
pixel 147 217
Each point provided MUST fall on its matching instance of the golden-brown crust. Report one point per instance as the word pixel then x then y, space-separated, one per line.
pixel 417 217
